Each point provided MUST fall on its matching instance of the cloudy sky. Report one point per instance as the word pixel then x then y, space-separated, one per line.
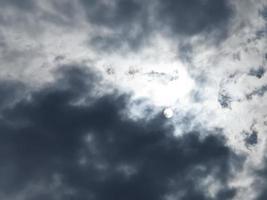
pixel 133 100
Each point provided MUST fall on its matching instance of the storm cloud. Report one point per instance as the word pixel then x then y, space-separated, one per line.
pixel 98 153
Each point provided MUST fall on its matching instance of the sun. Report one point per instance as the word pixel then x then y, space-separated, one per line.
pixel 168 113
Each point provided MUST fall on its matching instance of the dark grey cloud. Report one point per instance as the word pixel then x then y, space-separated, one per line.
pixel 21 4
pixel 185 52
pixel 260 91
pixel 37 15
pixel 263 13
pixel 118 13
pixel 194 16
pixel 262 175
pixel 224 99
pixel 100 154
pixel 251 139
pixel 128 19
pixel 133 21
pixel 9 91
pixel 160 76
pixel 257 72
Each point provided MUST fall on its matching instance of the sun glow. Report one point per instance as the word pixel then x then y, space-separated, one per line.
pixel 155 74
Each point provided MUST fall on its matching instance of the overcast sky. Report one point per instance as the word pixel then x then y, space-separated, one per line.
pixel 133 100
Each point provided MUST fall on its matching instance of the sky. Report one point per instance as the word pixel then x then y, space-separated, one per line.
pixel 133 100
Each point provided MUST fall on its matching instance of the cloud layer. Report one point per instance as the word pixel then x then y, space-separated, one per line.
pixel 97 153
pixel 84 85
